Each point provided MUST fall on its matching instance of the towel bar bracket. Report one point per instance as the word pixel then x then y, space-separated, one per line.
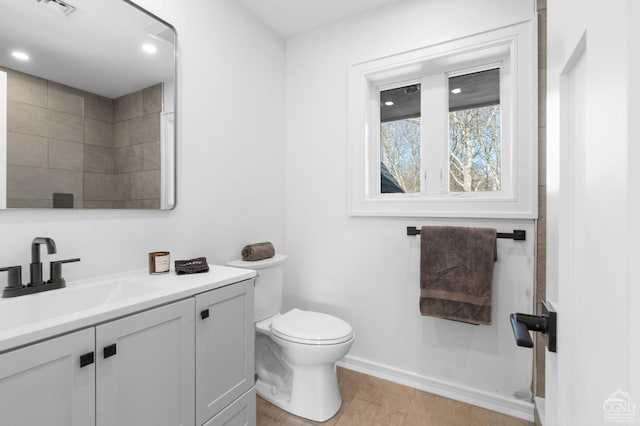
pixel 517 235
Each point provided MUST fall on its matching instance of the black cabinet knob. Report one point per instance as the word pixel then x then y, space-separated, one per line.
pixel 204 314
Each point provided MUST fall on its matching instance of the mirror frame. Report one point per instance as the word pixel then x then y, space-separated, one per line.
pixel 168 129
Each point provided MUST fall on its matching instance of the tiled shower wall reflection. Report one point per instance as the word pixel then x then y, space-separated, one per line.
pixel 137 149
pixel 63 140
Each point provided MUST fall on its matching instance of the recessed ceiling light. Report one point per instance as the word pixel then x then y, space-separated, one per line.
pixel 149 48
pixel 388 103
pixel 409 90
pixel 21 56
pixel 456 90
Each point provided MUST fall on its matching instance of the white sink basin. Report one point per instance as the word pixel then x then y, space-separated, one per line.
pixel 23 311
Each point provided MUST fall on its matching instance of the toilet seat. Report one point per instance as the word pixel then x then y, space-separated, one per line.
pixel 311 328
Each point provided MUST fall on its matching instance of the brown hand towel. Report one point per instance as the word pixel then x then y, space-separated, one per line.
pixel 191 266
pixel 258 251
pixel 456 272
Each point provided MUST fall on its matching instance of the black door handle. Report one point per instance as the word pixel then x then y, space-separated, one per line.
pixel 520 332
pixel 545 324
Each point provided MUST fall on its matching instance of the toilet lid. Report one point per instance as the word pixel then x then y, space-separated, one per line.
pixel 312 328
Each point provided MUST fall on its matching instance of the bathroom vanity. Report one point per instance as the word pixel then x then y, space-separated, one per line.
pixel 131 349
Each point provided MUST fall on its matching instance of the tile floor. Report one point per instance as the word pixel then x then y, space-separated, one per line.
pixel 369 401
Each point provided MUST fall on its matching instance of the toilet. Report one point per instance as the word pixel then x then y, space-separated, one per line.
pixel 296 351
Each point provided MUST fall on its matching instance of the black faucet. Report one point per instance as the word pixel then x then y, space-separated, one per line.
pixel 36 283
pixel 36 264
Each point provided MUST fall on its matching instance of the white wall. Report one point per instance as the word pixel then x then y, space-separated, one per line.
pixel 366 269
pixel 230 120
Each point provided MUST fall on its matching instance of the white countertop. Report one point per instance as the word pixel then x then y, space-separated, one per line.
pixel 31 318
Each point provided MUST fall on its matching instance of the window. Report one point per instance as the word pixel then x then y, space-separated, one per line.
pixel 475 160
pixel 400 139
pixel 447 130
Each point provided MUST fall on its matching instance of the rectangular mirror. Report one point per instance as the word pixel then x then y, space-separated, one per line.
pixel 87 105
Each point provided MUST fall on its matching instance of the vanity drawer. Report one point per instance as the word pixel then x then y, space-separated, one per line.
pixel 242 412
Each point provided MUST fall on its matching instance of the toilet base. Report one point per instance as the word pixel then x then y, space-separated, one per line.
pixel 315 393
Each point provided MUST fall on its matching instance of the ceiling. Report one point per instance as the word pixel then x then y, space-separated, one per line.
pixel 96 48
pixel 112 64
pixel 290 18
pixel 466 91
pixel 82 49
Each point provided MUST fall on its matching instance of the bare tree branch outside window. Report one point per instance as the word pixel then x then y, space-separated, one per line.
pixel 475 150
pixel 400 152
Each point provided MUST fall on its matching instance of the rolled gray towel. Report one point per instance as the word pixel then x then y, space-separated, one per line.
pixel 258 251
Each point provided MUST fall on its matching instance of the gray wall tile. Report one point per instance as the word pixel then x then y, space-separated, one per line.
pixel 122 189
pixel 40 183
pixel 121 133
pixel 152 156
pixel 26 88
pixel 98 107
pixel 137 204
pixel 98 132
pixel 152 99
pixel 98 159
pixel 129 106
pixel 129 159
pixel 98 187
pixel 38 121
pixel 146 184
pixel 63 98
pixel 95 204
pixel 145 129
pixel 68 136
pixel 27 150
pixel 27 203
pixel 65 155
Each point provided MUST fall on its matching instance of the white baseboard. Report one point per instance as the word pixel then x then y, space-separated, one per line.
pixel 509 406
pixel 540 408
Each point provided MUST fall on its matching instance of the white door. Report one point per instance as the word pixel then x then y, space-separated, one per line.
pixel 591 136
pixel 145 368
pixel 46 383
pixel 224 347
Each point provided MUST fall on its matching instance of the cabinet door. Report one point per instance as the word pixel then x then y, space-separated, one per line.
pixel 44 383
pixel 224 347
pixel 241 412
pixel 145 368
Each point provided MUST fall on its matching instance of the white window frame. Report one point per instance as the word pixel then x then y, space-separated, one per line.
pixel 514 50
pixel 3 140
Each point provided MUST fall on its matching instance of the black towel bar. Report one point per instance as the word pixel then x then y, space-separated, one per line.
pixel 517 235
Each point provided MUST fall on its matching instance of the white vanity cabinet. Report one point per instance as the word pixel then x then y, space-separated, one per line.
pixel 184 358
pixel 44 384
pixel 140 371
pixel 224 352
pixel 145 368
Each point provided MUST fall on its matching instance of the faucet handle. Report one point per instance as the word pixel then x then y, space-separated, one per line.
pixel 15 275
pixel 55 270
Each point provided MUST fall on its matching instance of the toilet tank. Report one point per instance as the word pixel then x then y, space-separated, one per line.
pixel 269 284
